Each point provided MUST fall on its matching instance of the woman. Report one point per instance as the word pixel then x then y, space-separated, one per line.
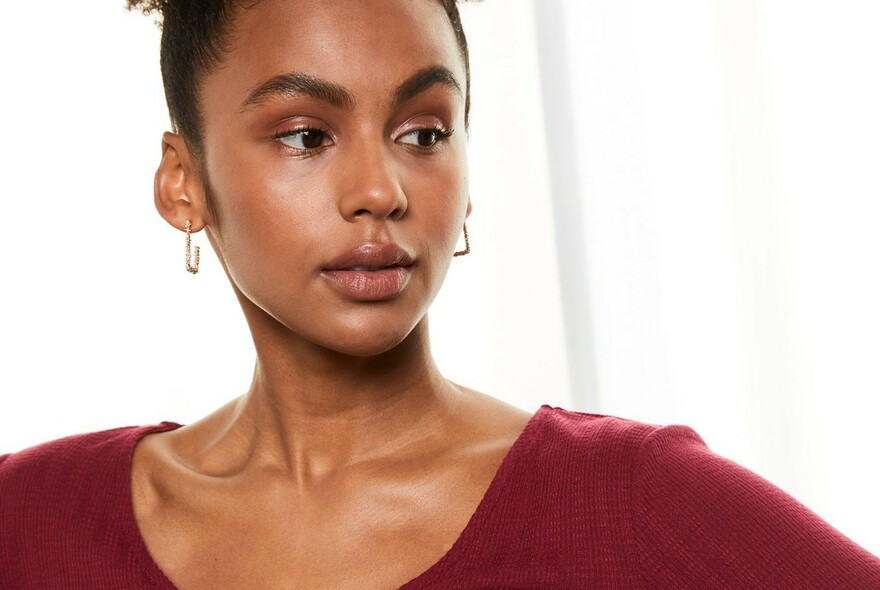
pixel 321 146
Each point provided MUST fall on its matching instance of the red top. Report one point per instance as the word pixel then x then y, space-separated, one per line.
pixel 580 501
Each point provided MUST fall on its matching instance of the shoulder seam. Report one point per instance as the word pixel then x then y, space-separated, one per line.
pixel 634 500
pixel 636 494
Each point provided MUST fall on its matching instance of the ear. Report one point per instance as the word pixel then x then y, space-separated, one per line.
pixel 178 191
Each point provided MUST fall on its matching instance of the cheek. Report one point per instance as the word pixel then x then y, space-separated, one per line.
pixel 272 223
pixel 437 209
pixel 439 190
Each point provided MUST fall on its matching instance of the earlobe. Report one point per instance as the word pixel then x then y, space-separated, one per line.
pixel 177 189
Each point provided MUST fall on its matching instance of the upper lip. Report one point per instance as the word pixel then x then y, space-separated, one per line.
pixel 371 257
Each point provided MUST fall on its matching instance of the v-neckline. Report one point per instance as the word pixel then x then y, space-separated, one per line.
pixel 497 485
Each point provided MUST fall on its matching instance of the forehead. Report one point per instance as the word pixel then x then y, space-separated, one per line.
pixel 367 46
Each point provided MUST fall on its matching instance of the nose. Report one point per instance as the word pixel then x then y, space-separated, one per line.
pixel 370 185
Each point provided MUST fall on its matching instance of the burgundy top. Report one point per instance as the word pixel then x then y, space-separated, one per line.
pixel 580 501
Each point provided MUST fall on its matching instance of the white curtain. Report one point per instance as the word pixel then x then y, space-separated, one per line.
pixel 714 165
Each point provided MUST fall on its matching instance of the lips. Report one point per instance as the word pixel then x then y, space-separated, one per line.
pixel 370 272
pixel 371 257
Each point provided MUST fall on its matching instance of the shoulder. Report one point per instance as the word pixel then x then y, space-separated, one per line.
pixel 599 460
pixel 60 488
pixel 570 493
pixel 624 444
pixel 689 517
pixel 701 520
pixel 71 457
pixel 627 471
pixel 582 427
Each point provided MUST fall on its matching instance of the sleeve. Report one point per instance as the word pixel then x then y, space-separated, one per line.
pixel 703 521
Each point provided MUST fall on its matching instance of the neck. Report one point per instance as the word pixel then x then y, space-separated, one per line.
pixel 311 411
pixel 311 382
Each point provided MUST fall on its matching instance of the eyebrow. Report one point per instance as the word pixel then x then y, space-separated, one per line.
pixel 423 80
pixel 295 84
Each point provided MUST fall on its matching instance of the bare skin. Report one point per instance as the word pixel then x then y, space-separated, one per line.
pixel 350 462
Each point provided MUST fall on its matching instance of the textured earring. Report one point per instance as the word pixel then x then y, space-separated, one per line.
pixel 193 268
pixel 467 244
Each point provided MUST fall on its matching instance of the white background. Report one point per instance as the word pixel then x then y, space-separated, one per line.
pixel 691 237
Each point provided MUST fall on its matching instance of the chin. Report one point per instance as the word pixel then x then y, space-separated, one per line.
pixel 365 347
pixel 368 339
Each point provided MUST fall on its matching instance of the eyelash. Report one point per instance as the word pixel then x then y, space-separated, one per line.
pixel 279 135
pixel 443 134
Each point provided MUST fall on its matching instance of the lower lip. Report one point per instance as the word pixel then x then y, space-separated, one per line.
pixel 369 285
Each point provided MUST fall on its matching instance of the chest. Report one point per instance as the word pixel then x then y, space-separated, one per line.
pixel 343 534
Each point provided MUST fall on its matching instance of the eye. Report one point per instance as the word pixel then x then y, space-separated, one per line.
pixel 303 139
pixel 425 138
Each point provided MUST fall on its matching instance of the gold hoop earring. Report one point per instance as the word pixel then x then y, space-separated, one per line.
pixel 194 267
pixel 467 244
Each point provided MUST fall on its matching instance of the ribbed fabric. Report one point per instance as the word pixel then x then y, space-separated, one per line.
pixel 580 501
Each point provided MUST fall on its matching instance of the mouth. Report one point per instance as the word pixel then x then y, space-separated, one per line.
pixel 370 272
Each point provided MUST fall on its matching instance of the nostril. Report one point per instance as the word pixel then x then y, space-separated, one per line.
pixel 360 212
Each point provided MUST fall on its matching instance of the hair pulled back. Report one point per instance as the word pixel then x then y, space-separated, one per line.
pixel 195 37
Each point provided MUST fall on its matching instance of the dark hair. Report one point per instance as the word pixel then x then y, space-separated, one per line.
pixel 195 36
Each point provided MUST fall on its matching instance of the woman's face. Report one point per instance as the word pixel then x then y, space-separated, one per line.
pixel 335 159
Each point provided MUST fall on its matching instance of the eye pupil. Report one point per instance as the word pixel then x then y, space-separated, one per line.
pixel 427 138
pixel 312 139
